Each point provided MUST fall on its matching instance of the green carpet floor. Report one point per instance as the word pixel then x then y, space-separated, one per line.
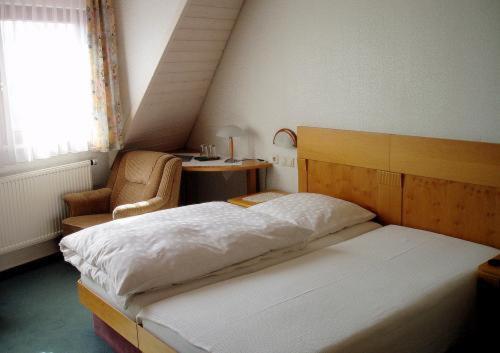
pixel 40 312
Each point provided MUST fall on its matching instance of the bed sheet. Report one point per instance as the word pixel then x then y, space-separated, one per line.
pixel 394 289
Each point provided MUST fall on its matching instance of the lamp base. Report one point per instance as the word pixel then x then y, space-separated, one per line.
pixel 231 160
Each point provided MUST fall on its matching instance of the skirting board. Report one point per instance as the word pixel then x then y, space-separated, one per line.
pixel 31 253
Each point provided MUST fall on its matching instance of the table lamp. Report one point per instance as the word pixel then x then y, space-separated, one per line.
pixel 230 131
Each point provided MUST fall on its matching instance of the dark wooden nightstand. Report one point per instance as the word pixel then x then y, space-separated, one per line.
pixel 488 306
pixel 254 199
pixel 489 275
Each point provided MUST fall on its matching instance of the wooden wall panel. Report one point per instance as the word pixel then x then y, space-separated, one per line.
pixel 462 210
pixel 355 184
pixel 377 191
pixel 302 170
pixel 183 75
pixel 212 11
pixel 192 56
pixel 446 186
pixel 230 4
pixel 389 197
pixel 360 149
pixel 464 161
pixel 207 23
pixel 202 34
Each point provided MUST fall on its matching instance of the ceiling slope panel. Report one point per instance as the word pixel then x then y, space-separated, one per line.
pixel 177 89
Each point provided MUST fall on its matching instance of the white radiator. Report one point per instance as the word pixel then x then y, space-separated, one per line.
pixel 31 204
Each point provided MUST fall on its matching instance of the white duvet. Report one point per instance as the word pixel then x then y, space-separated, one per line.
pixel 158 249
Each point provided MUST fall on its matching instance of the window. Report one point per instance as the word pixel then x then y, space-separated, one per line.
pixel 46 95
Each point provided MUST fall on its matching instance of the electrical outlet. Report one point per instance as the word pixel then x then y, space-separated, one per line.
pixel 283 161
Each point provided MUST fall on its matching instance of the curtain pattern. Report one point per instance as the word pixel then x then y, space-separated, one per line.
pixel 108 120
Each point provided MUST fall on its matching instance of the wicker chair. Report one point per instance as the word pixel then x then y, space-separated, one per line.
pixel 140 182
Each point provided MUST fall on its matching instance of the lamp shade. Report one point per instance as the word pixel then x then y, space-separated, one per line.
pixel 230 131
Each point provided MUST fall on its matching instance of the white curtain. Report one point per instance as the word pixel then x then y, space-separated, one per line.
pixel 46 95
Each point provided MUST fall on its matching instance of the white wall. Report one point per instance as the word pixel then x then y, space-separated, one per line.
pixel 143 30
pixel 428 68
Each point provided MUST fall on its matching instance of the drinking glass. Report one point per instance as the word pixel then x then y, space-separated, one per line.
pixel 204 151
pixel 211 151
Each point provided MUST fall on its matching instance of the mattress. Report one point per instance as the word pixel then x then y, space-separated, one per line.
pixel 131 306
pixel 394 289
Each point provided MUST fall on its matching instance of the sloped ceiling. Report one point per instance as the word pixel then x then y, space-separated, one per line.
pixel 169 53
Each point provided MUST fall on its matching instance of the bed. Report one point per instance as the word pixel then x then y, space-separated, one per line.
pixel 394 289
pixel 113 256
pixel 444 186
pixel 136 303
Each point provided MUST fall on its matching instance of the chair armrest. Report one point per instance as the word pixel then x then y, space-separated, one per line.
pixel 88 202
pixel 171 183
pixel 138 208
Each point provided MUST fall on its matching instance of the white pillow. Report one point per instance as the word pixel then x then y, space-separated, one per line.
pixel 320 213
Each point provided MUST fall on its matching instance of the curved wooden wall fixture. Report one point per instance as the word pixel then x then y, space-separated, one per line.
pixel 289 133
pixel 447 186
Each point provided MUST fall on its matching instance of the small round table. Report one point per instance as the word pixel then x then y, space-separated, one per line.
pixel 250 166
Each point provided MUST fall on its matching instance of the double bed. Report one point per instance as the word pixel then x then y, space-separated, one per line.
pixel 364 288
pixel 133 306
pixel 393 289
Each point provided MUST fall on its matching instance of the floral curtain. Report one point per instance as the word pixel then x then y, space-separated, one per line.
pixel 108 120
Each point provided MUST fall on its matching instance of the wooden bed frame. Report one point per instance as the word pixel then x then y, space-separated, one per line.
pixel 446 186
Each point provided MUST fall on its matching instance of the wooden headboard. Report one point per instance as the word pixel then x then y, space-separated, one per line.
pixel 446 186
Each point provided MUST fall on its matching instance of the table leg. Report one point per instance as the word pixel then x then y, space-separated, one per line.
pixel 252 181
pixel 189 188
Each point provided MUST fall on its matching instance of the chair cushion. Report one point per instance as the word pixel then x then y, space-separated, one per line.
pixel 139 165
pixel 74 224
pixel 138 177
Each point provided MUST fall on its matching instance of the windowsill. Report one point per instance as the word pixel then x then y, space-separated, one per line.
pixel 100 172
